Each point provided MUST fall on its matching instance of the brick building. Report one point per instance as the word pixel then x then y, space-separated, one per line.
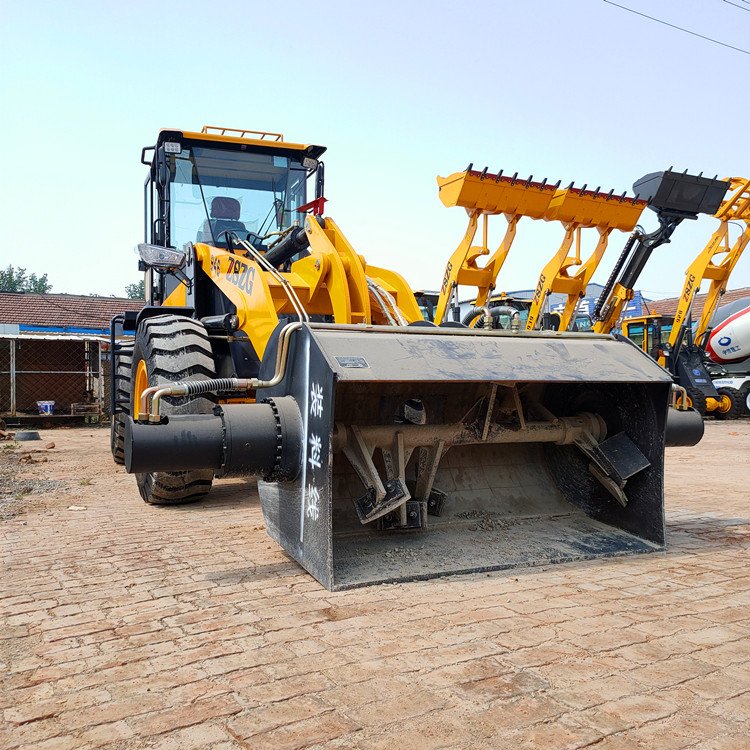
pixel 669 306
pixel 54 347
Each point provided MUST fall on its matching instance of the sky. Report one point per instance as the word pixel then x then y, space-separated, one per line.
pixel 399 92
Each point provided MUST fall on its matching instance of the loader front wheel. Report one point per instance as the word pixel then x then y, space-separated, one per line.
pixel 169 348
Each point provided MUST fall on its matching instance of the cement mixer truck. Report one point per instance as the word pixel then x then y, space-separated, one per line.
pixel 729 347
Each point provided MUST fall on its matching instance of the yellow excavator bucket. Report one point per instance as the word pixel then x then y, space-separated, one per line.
pixel 484 195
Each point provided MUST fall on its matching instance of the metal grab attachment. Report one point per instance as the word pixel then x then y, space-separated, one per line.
pixel 412 452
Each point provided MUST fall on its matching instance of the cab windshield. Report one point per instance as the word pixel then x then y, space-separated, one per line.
pixel 214 191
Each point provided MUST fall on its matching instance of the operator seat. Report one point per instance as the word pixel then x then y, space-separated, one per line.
pixel 225 215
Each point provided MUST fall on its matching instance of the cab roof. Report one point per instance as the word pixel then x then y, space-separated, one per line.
pixel 257 140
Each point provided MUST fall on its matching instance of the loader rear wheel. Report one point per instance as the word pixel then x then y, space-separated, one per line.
pixel 122 388
pixel 736 404
pixel 170 348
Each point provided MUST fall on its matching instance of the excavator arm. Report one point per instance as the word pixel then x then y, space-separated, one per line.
pixel 483 195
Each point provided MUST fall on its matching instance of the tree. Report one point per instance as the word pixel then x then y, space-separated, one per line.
pixel 137 290
pixel 15 280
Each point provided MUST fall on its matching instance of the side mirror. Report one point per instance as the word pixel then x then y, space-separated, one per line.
pixel 163 258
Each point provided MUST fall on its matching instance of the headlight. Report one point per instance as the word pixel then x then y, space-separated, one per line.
pixel 167 258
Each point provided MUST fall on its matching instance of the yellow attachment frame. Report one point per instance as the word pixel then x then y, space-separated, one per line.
pixel 735 208
pixel 578 208
pixel 484 195
pixel 333 280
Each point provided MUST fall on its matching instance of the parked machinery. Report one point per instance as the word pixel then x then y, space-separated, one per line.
pixel 568 274
pixel 728 349
pixel 483 194
pixel 387 448
pixel 673 340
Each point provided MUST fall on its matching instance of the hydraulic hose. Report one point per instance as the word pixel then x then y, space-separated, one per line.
pixel 615 273
pixel 490 313
pixel 475 312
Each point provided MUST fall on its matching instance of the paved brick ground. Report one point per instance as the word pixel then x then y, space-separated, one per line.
pixel 125 626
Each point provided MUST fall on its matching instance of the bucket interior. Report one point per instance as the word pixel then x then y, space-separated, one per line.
pixel 504 505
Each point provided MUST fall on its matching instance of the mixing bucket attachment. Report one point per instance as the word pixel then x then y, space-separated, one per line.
pixel 436 451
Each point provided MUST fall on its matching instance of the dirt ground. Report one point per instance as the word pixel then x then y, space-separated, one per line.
pixel 129 626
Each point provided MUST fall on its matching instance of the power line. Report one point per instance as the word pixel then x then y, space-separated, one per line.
pixel 738 6
pixel 679 28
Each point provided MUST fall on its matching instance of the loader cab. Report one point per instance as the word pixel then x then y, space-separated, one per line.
pixel 650 333
pixel 427 302
pixel 204 187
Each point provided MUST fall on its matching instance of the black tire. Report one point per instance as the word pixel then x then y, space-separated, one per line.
pixel 698 400
pixel 745 392
pixel 737 407
pixel 122 388
pixel 175 348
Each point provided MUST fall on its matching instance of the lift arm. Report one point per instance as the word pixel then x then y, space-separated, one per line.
pixel 734 208
pixel 484 195
pixel 578 209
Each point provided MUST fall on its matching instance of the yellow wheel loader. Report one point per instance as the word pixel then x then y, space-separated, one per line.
pixel 386 447
pixel 672 340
